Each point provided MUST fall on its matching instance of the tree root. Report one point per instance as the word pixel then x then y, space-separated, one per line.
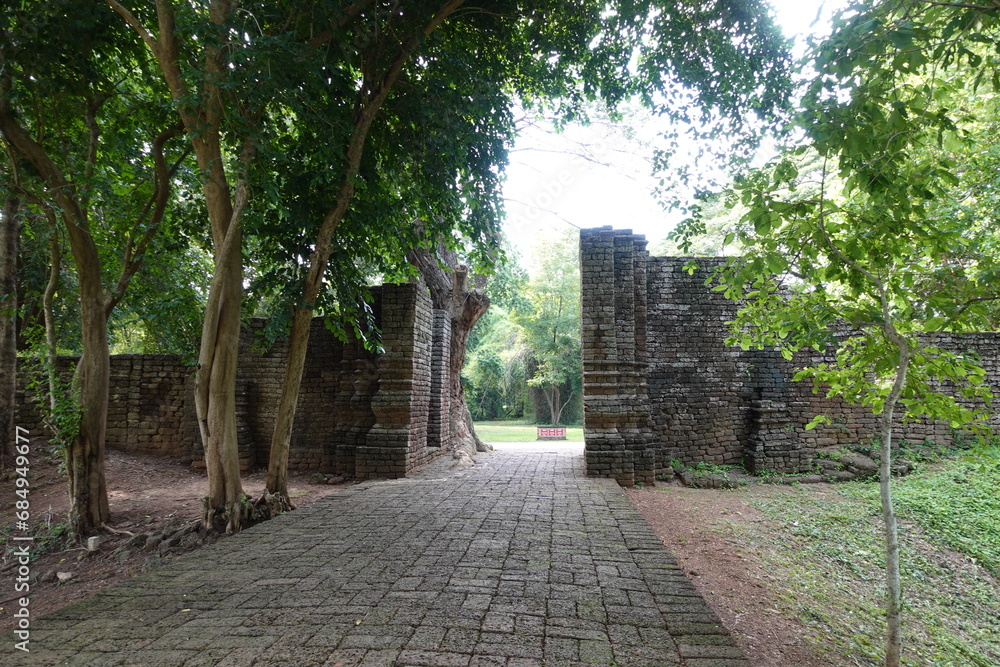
pixel 232 518
pixel 115 531
pixel 270 505
pixel 236 516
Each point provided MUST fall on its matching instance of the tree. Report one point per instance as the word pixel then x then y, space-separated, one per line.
pixel 551 325
pixel 50 72
pixel 886 255
pixel 8 325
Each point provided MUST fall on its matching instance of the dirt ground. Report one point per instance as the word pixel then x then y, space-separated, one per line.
pixel 146 493
pixel 150 493
pixel 693 524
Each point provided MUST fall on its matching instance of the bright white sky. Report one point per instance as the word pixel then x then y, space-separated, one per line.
pixel 550 188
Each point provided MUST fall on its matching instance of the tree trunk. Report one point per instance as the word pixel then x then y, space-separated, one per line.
pixel 85 453
pixel 553 395
pixel 548 394
pixel 8 328
pixel 275 497
pixel 225 507
pixel 48 314
pixel 894 599
pixel 450 291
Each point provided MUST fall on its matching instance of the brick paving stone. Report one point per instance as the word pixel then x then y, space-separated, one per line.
pixel 519 561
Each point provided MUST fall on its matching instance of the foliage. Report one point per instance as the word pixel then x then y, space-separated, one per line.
pixel 101 130
pixel 495 373
pixel 60 408
pixel 957 502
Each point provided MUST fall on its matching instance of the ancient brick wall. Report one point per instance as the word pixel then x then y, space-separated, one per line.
pixel 660 384
pixel 151 404
pixel 699 388
pixel 438 424
pixel 359 413
pixel 397 442
pixel 613 344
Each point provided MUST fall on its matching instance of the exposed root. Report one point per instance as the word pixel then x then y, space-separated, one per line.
pixel 234 517
pixel 116 531
pixel 270 505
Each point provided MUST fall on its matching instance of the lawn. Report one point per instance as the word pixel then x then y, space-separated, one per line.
pixel 826 545
pixel 518 432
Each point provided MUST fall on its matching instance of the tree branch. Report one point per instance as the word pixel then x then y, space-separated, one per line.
pixel 135 252
pixel 136 25
pixel 351 13
pixel 964 5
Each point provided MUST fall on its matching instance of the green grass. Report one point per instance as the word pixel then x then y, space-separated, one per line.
pixel 825 551
pixel 518 432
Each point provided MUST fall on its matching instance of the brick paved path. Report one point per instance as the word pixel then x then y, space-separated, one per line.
pixel 518 561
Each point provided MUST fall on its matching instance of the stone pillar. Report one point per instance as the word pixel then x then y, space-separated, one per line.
pixel 398 440
pixel 651 461
pixel 438 425
pixel 605 451
pixel 613 304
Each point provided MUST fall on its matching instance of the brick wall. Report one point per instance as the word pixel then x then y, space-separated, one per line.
pixel 660 384
pixel 397 442
pixel 345 391
pixel 151 404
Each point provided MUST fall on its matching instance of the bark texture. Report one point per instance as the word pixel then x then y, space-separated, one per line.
pixel 448 281
pixel 8 328
pixel 894 597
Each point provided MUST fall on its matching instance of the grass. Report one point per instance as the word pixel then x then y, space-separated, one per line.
pixel 825 550
pixel 518 432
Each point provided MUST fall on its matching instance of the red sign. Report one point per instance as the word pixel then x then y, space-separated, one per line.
pixel 551 433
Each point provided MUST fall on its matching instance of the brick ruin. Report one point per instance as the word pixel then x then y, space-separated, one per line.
pixel 360 414
pixel 660 385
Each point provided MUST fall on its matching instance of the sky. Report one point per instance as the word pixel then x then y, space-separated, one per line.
pixel 599 175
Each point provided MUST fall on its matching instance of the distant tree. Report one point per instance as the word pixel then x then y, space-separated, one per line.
pixel 496 373
pixel 551 325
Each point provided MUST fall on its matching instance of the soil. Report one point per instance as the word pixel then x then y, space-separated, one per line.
pixel 149 493
pixel 694 524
